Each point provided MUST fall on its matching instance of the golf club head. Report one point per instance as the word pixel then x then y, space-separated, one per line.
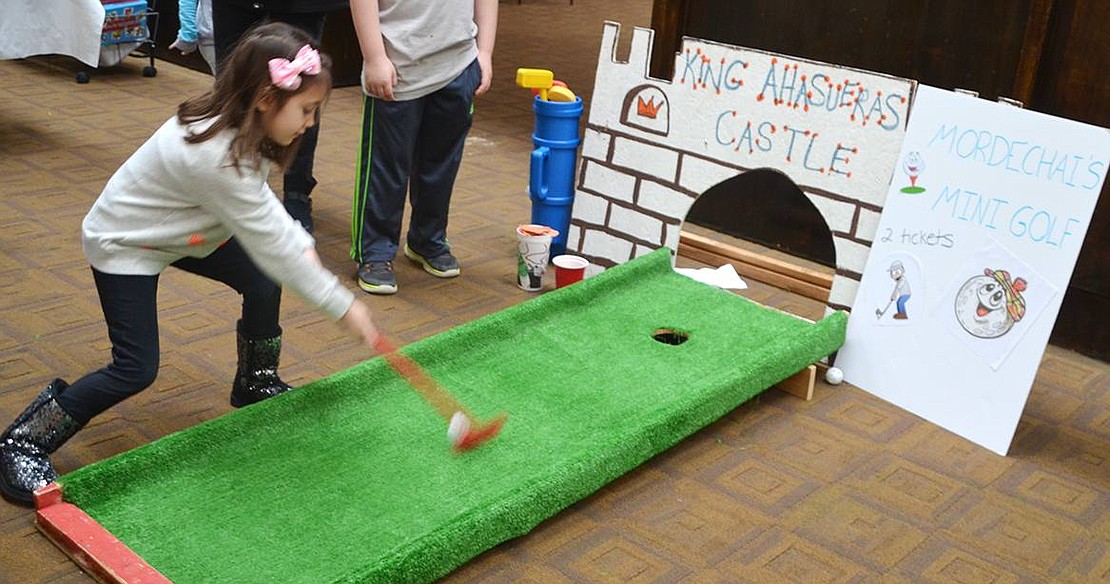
pixel 475 436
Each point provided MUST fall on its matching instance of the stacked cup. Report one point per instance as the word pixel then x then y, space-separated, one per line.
pixel 533 251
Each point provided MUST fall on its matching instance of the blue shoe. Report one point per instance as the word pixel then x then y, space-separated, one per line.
pixel 377 278
pixel 443 265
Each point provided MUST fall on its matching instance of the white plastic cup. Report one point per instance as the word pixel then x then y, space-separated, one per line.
pixel 533 251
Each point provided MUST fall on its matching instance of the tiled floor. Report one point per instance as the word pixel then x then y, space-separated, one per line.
pixel 845 488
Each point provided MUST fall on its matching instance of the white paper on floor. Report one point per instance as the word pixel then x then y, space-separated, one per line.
pixel 722 277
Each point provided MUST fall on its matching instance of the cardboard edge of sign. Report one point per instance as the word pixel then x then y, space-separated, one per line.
pixel 99 553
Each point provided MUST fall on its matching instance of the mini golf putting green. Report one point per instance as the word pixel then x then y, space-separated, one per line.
pixel 350 478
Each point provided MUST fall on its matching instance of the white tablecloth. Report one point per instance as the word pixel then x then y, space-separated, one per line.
pixel 51 27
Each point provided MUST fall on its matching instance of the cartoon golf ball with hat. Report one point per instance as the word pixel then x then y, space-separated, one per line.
pixel 987 306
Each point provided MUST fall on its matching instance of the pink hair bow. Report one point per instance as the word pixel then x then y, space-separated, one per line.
pixel 286 74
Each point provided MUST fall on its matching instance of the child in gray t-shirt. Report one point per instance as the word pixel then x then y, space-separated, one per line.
pixel 424 62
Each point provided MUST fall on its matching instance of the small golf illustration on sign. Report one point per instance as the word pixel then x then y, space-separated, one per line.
pixel 988 305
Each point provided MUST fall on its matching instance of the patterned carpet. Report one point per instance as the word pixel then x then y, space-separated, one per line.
pixel 845 488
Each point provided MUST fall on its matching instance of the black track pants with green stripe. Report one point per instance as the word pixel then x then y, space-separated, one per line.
pixel 415 144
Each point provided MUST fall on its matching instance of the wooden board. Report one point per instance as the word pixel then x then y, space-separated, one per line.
pixel 88 544
pixel 803 281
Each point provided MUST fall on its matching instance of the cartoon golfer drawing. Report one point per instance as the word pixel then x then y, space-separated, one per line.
pixel 900 294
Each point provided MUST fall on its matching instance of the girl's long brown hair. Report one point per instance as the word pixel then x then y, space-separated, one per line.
pixel 242 82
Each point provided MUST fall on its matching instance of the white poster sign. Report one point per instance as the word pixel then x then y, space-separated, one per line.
pixel 827 126
pixel 982 226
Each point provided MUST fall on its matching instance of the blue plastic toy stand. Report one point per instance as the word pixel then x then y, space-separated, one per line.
pixel 554 158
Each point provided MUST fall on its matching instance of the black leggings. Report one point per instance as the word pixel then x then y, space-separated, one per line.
pixel 130 305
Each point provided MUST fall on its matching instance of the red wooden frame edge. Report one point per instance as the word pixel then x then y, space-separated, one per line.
pixel 92 547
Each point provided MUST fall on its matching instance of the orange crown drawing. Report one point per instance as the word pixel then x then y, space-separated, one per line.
pixel 649 109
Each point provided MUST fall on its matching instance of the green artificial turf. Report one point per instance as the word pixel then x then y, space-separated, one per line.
pixel 350 478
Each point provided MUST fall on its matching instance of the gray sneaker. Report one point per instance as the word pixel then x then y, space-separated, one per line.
pixel 377 278
pixel 443 265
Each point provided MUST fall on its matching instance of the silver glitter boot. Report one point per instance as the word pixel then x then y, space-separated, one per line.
pixel 257 378
pixel 26 445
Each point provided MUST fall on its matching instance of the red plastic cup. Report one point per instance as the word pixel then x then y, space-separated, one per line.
pixel 569 269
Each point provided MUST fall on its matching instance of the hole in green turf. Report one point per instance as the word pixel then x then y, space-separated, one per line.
pixel 670 336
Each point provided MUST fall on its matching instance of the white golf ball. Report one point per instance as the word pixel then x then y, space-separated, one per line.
pixel 458 427
pixel 834 376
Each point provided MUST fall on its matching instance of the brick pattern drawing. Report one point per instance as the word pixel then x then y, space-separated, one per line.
pixel 652 147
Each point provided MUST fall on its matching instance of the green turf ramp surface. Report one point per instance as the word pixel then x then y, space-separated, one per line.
pixel 351 479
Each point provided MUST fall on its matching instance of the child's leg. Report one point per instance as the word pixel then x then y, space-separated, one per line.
pixel 298 182
pixel 258 332
pixel 230 21
pixel 61 410
pixel 384 161
pixel 444 126
pixel 231 265
pixel 131 313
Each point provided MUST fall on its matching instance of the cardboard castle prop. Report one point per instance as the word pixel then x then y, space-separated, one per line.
pixel 987 195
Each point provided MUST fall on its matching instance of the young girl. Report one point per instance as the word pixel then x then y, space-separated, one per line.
pixel 195 197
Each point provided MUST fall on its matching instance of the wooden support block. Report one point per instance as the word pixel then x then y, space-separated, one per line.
pixel 800 384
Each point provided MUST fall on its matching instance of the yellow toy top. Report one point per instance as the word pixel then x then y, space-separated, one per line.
pixel 560 93
pixel 535 79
